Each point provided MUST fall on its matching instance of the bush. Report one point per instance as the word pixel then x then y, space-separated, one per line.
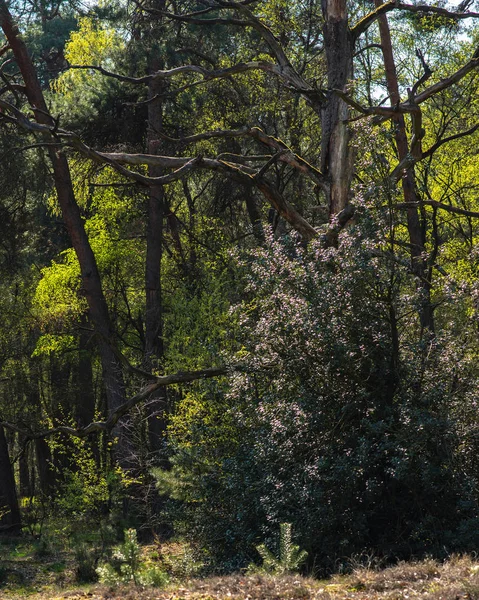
pixel 44 546
pixel 345 423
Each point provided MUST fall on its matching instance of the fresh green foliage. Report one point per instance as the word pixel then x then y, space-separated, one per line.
pixel 349 420
pixel 290 557
pixel 126 565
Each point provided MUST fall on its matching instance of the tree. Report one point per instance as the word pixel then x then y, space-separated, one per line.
pixel 98 310
pixel 266 109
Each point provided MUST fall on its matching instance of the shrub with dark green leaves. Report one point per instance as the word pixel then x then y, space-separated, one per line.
pixel 344 424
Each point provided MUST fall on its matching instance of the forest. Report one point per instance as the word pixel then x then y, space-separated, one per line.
pixel 238 282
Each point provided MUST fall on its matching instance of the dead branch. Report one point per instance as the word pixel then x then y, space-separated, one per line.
pixel 207 74
pixel 286 155
pixel 449 81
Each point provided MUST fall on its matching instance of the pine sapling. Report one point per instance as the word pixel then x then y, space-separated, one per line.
pixel 290 556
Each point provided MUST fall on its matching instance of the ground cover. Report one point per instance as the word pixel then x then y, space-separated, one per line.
pixel 34 572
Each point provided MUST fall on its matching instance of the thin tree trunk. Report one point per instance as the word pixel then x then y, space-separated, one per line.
pixel 416 231
pixel 154 347
pixel 42 454
pixel 24 469
pixel 46 477
pixel 85 396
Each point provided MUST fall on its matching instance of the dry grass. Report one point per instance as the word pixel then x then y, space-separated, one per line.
pixel 456 579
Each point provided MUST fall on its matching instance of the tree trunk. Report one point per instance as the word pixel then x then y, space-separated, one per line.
pixel 25 471
pixel 336 153
pixel 9 510
pixel 46 476
pixel 84 389
pixel 157 212
pixel 416 231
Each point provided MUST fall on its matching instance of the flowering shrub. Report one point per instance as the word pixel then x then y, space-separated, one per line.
pixel 345 422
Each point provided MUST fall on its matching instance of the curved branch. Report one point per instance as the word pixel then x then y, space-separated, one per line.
pixel 122 410
pixel 412 104
pixel 283 71
pixel 362 25
pixel 207 135
pixel 448 81
pixel 242 173
pixel 287 155
pixel 435 204
pixel 284 65
pixel 207 74
pixel 451 138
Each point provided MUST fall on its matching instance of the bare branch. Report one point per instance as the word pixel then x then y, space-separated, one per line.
pixel 284 72
pixel 288 156
pixel 451 138
pixel 368 47
pixel 384 111
pixel 243 159
pixel 448 81
pixel 272 159
pixel 412 104
pixel 362 25
pixel 195 17
pixel 245 174
pixel 452 209
pixel 207 135
pixel 426 75
pixel 207 74
pixel 284 67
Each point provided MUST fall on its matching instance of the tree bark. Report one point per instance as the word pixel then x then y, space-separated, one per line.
pixel 157 212
pixel 85 395
pixel 415 230
pixel 25 471
pixel 46 476
pixel 9 511
pixel 336 152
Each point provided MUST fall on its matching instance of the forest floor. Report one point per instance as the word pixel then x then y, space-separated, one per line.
pixel 52 578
